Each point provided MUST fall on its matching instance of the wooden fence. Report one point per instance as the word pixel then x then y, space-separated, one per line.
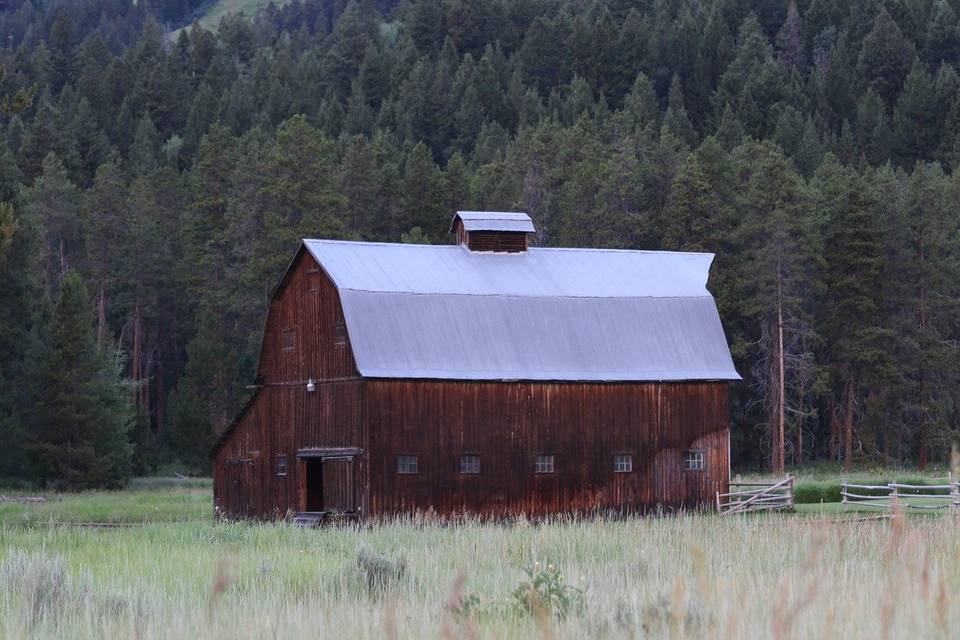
pixel 931 497
pixel 744 497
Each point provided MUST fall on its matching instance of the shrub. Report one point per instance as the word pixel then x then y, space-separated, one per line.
pixel 42 584
pixel 381 572
pixel 812 492
pixel 544 591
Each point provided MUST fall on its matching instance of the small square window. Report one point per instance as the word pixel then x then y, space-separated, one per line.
pixel 694 460
pixel 288 340
pixel 623 463
pixel 313 280
pixel 281 464
pixel 340 333
pixel 470 463
pixel 544 463
pixel 407 464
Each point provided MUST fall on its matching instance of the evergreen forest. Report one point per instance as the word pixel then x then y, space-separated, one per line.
pixel 156 178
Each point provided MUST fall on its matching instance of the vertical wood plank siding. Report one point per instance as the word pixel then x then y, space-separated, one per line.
pixel 284 416
pixel 507 241
pixel 584 425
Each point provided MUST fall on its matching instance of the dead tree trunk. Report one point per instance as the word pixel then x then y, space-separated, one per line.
pixel 834 431
pixel 160 398
pixel 781 403
pixel 774 430
pixel 848 429
pixel 101 319
pixel 798 458
pixel 135 360
pixel 63 261
pixel 922 386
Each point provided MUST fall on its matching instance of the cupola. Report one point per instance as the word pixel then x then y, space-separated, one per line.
pixel 490 231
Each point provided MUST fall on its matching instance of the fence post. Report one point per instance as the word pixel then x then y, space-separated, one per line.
pixel 843 492
pixel 790 486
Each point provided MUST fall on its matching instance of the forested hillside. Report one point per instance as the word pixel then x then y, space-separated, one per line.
pixel 810 145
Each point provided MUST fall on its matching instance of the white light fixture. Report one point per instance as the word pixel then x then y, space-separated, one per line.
pixel 310 386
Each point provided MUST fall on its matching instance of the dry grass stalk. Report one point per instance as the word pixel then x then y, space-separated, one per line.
pixel 222 581
pixel 451 628
pixel 390 622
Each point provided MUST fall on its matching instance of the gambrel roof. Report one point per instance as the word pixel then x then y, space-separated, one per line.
pixel 444 312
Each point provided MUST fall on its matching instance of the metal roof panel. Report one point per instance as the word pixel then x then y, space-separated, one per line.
pixel 515 221
pixel 423 311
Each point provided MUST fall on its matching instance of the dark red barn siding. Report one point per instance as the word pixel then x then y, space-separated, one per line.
pixel 506 241
pixel 306 308
pixel 584 425
pixel 284 417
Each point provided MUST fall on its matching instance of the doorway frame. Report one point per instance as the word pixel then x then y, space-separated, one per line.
pixel 322 454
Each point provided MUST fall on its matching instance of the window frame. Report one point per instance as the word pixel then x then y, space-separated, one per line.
pixel 340 333
pixel 408 457
pixel 460 467
pixel 537 467
pixel 313 280
pixel 282 463
pixel 617 458
pixel 699 456
pixel 285 344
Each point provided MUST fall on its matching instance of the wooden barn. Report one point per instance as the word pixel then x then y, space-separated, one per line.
pixel 483 377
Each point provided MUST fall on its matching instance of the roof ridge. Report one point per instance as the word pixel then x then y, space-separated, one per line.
pixel 529 249
pixel 526 297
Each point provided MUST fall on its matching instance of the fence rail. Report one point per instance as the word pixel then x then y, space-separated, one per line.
pixel 921 497
pixel 762 496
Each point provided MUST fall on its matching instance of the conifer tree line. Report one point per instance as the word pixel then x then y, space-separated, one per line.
pixel 161 179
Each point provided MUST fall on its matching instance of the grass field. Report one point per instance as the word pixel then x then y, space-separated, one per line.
pixel 221 8
pixel 696 575
pixel 146 500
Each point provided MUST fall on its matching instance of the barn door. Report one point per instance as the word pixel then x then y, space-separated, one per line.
pixel 327 479
pixel 338 484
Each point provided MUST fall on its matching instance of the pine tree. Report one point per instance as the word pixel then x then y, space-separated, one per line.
pixel 850 318
pixel 753 82
pixel 730 131
pixel 145 148
pixel 874 137
pixel 79 430
pixel 61 50
pixel 298 197
pixel 423 197
pixel 921 278
pixel 916 121
pixel 52 202
pixel 675 119
pixel 349 41
pixel 369 183
pixel 92 143
pixel 207 395
pixel 776 280
pixel 943 36
pixel 22 293
pixel 885 58
pixel 790 39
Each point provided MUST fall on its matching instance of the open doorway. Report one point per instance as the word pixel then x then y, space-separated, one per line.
pixel 313 469
pixel 327 483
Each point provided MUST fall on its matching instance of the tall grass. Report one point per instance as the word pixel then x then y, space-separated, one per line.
pixel 685 576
